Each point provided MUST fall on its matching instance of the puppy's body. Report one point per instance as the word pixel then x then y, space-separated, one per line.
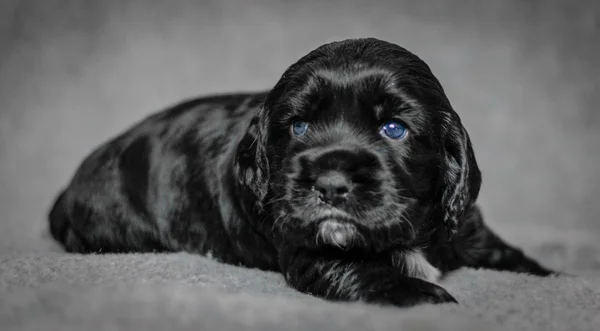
pixel 342 211
pixel 166 185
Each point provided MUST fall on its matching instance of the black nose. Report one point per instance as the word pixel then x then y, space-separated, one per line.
pixel 333 187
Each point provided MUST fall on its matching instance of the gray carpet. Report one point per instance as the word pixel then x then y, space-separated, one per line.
pixel 180 291
pixel 524 77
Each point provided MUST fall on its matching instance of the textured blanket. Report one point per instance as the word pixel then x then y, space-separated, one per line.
pixel 186 292
pixel 523 75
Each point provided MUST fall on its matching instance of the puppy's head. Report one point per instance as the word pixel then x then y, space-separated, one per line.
pixel 358 146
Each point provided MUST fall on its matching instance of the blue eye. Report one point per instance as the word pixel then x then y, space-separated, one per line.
pixel 299 128
pixel 394 130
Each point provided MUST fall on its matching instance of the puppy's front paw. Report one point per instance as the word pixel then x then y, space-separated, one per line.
pixel 432 293
pixel 418 291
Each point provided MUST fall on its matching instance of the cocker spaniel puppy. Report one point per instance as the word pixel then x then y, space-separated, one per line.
pixel 353 177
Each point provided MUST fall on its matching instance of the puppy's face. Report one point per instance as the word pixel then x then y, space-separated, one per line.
pixel 353 152
pixel 342 154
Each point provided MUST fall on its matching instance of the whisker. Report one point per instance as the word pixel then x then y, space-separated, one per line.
pixel 405 219
pixel 276 221
pixel 275 201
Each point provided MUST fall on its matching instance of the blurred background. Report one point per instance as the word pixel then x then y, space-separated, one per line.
pixel 523 75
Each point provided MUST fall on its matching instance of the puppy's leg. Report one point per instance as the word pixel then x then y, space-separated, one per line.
pixel 478 246
pixel 60 227
pixel 339 279
pixel 95 226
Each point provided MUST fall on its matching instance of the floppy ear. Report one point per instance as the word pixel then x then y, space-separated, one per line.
pixel 251 163
pixel 461 178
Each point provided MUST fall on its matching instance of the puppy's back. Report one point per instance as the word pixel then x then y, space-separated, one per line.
pixel 111 205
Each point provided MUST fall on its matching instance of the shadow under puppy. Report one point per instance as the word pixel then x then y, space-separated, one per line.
pixel 353 177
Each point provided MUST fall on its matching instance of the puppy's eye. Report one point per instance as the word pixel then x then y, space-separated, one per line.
pixel 299 128
pixel 394 130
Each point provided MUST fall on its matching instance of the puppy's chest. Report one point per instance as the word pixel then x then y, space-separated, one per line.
pixel 415 264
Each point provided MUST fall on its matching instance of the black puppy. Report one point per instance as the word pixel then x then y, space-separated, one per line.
pixel 353 176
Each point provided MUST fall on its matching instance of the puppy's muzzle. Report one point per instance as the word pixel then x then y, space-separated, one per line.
pixel 334 183
pixel 339 177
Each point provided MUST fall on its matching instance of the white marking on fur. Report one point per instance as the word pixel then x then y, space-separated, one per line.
pixel 209 255
pixel 336 233
pixel 416 265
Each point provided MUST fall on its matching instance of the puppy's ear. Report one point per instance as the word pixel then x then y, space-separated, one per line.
pixel 251 163
pixel 460 175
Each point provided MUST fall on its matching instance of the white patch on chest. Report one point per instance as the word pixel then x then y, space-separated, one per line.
pixel 416 265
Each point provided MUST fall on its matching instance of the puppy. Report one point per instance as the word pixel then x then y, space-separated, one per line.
pixel 353 177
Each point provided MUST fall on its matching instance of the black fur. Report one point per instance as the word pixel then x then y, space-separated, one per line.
pixel 224 176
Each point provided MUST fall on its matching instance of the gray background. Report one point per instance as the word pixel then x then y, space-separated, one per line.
pixel 523 76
